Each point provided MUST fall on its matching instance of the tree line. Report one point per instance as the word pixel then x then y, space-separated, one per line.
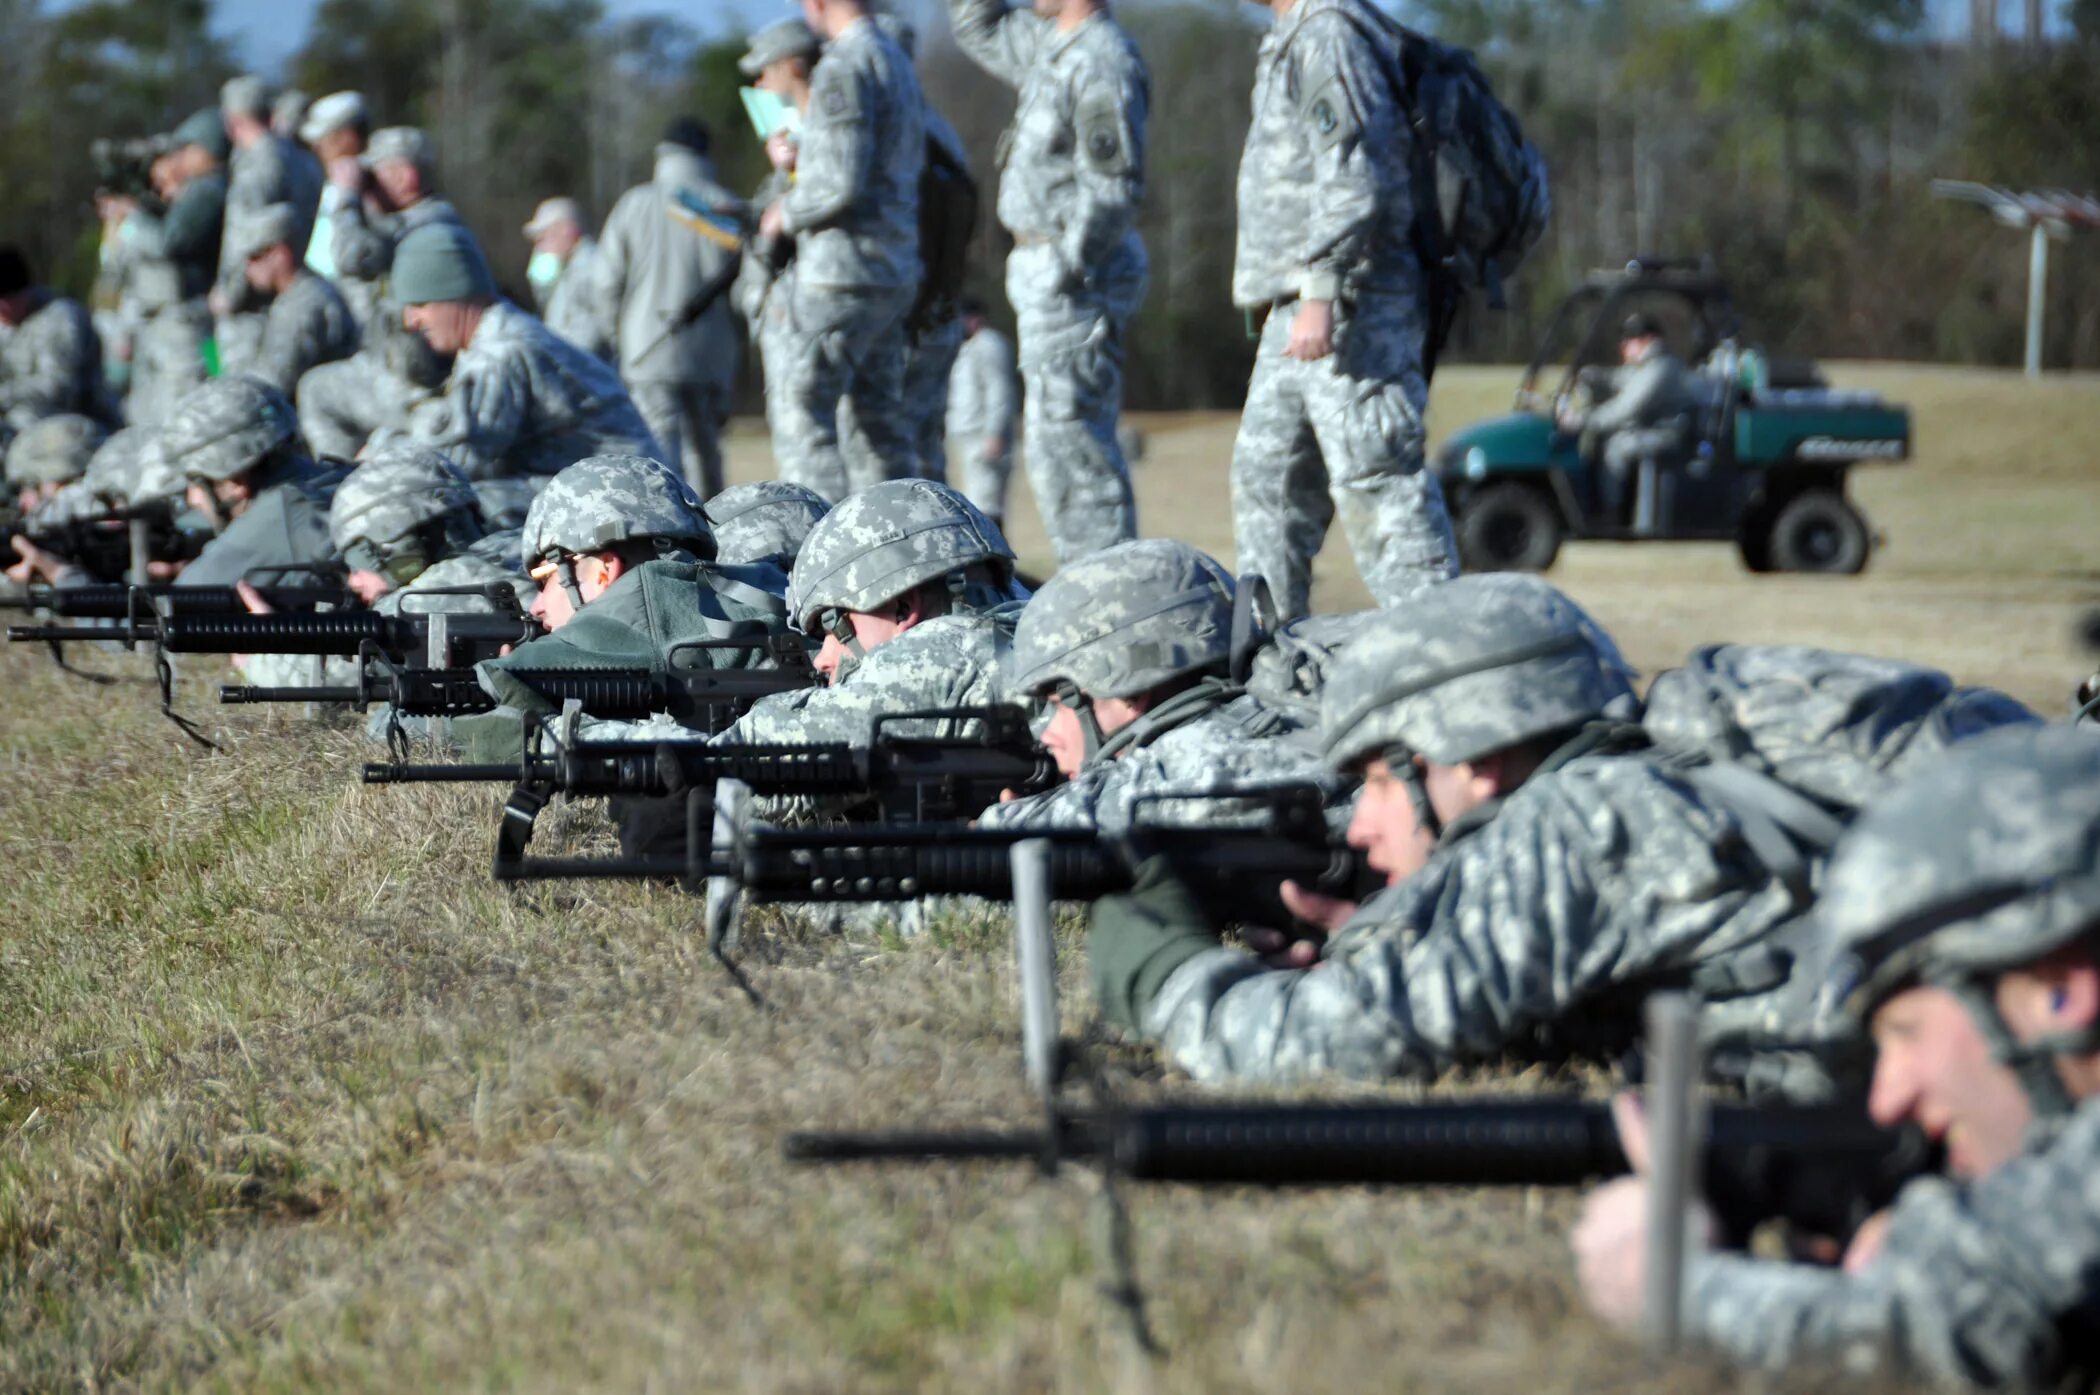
pixel 1793 140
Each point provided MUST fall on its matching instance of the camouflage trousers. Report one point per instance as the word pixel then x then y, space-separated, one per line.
pixel 835 387
pixel 686 420
pixel 341 404
pixel 240 340
pixel 1071 359
pixel 984 479
pixel 928 364
pixel 167 360
pixel 1340 435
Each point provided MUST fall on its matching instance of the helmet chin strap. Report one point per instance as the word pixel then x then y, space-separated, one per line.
pixel 839 625
pixel 2033 1062
pixel 565 571
pixel 1401 762
pixel 1081 706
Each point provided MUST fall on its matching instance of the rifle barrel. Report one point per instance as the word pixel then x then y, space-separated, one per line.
pixel 236 693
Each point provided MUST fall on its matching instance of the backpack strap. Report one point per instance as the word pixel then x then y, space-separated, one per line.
pixel 1783 827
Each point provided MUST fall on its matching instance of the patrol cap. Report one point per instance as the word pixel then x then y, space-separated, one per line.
pixel 398 143
pixel 1987 860
pixel 1125 620
pixel 551 214
pixel 53 450
pixel 605 500
pixel 257 232
pixel 205 128
pixel 246 95
pixel 1468 667
pixel 440 262
pixel 790 38
pixel 398 488
pixel 226 426
pixel 766 520
pixel 882 541
pixel 331 114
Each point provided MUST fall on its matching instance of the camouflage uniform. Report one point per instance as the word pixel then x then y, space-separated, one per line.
pixel 165 269
pixel 572 309
pixel 260 175
pixel 50 363
pixel 308 325
pixel 1986 862
pixel 242 426
pixel 523 401
pixel 765 523
pixel 664 242
pixel 981 412
pixel 838 321
pixel 1324 214
pixel 876 546
pixel 1139 618
pixel 1537 919
pixel 1072 175
pixel 53 450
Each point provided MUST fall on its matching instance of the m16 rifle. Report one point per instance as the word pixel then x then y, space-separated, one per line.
pixel 109 546
pixel 437 639
pixel 115 602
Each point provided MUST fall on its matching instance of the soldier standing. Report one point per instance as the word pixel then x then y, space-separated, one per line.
pixel 666 266
pixel 854 214
pixel 337 127
pixel 1333 421
pixel 981 412
pixel 1073 178
pixel 564 274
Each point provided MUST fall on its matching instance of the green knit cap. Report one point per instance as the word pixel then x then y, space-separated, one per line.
pixel 441 261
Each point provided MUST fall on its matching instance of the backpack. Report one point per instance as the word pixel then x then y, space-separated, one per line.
pixel 1481 194
pixel 947 227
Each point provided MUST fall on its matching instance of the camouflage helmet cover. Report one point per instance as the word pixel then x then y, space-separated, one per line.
pixel 400 487
pixel 764 519
pixel 113 474
pixel 884 540
pixel 156 480
pixel 605 500
pixel 1987 860
pixel 1468 667
pixel 226 426
pixel 1125 621
pixel 53 450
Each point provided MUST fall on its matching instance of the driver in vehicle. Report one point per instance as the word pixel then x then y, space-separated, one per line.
pixel 1648 417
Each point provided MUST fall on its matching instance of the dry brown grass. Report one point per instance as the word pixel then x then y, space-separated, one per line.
pixel 291 1095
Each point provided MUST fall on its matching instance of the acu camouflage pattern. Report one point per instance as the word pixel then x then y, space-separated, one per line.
pixel 1994 1282
pixel 765 521
pixel 50 363
pixel 929 363
pixel 1071 182
pixel 1325 212
pixel 113 472
pixel 612 499
pixel 396 489
pixel 1125 621
pixel 226 426
pixel 982 413
pixel 55 450
pixel 343 405
pixel 1533 931
pixel 883 541
pixel 158 478
pixel 854 205
pixel 308 325
pixel 524 401
pixel 1471 667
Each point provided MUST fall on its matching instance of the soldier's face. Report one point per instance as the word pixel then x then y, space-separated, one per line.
pixel 1065 737
pixel 1386 827
pixel 443 324
pixel 1933 1067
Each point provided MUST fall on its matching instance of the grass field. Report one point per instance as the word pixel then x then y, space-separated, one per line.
pixel 291 1095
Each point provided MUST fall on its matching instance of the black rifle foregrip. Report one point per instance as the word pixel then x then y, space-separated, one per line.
pixel 286 634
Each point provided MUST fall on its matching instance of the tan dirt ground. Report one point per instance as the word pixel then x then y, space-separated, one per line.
pixel 292 1096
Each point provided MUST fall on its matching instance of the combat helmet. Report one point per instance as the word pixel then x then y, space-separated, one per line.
pixel 1468 667
pixel 156 481
pixel 604 501
pixel 1124 621
pixel 226 427
pixel 53 450
pixel 402 509
pixel 1986 861
pixel 883 541
pixel 113 472
pixel 766 521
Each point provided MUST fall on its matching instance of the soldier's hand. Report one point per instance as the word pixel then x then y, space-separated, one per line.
pixel 781 150
pixel 1315 908
pixel 773 222
pixel 1312 331
pixel 347 173
pixel 1280 949
pixel 35 565
pixel 253 599
pixel 1611 1251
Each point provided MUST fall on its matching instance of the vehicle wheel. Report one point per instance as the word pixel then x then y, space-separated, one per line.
pixel 1508 528
pixel 1755 543
pixel 1818 531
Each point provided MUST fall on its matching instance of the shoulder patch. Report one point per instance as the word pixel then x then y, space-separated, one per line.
pixel 836 102
pixel 1330 115
pixel 1100 125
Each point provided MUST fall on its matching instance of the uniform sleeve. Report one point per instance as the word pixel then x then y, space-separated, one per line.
pixel 361 250
pixel 997 37
pixel 1108 118
pixel 51 384
pixel 1353 126
pixel 478 421
pixel 190 232
pixel 837 154
pixel 1990 1284
pixel 1498 933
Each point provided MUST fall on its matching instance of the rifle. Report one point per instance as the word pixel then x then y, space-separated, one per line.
pixel 443 638
pixel 115 602
pixel 694 694
pixel 104 544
